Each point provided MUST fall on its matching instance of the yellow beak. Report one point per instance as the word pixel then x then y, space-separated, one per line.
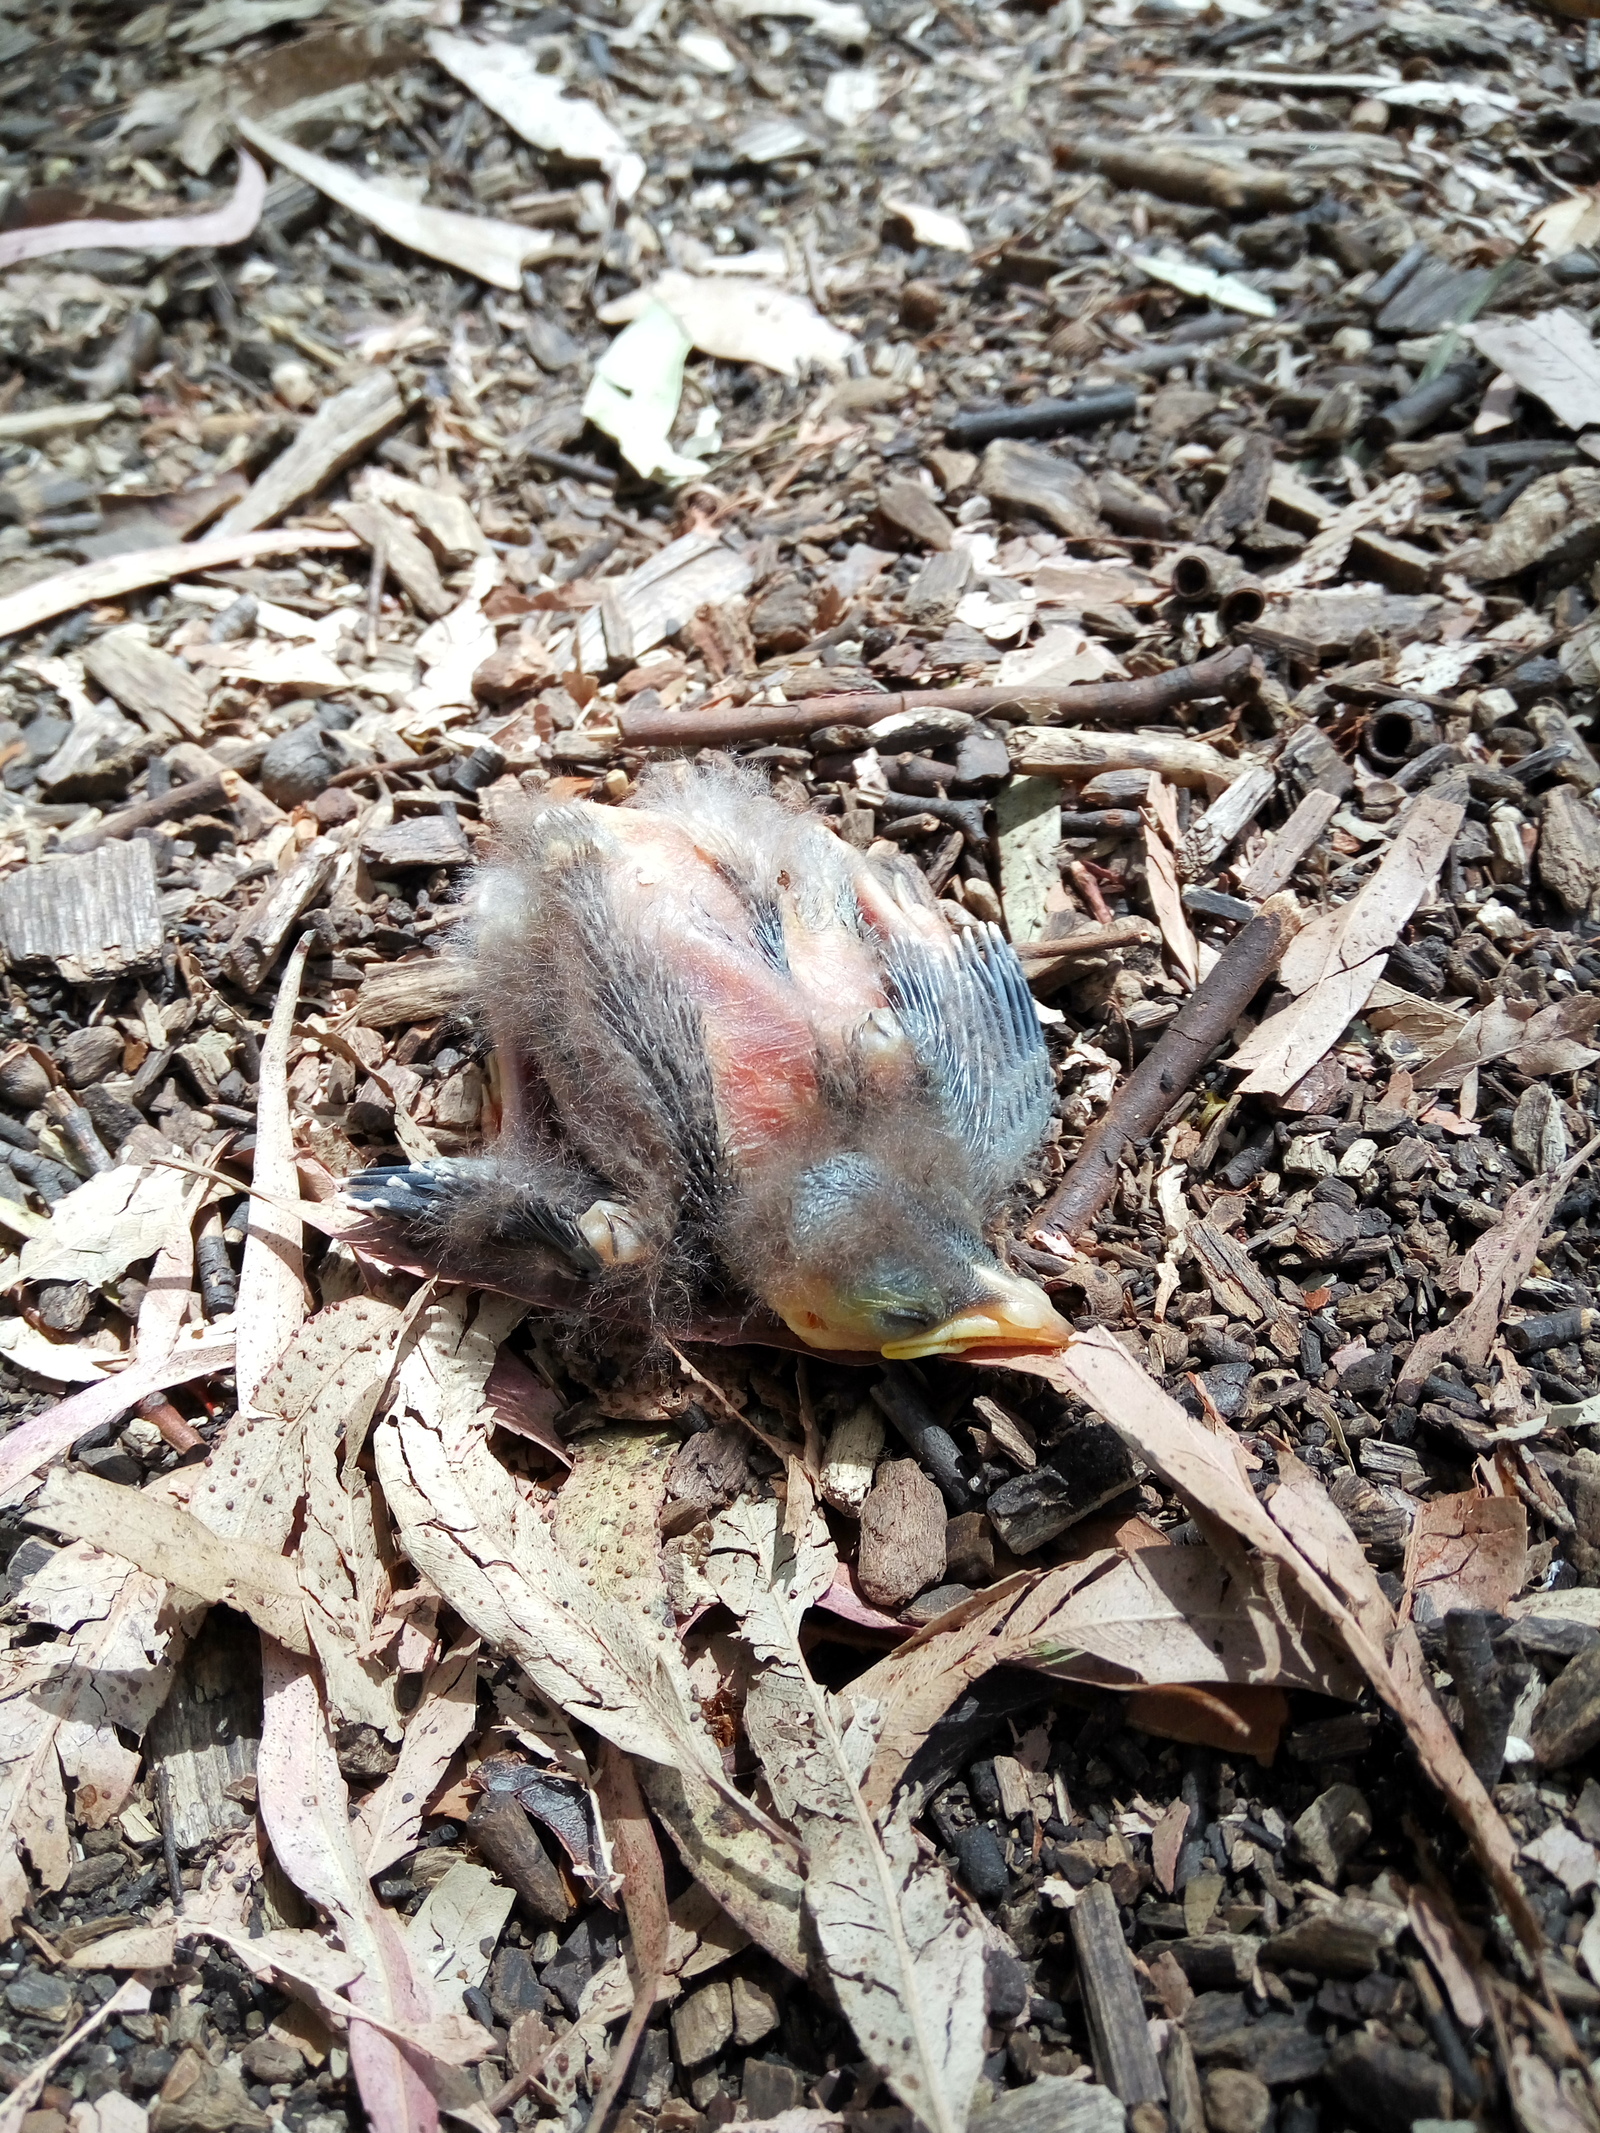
pixel 1016 1314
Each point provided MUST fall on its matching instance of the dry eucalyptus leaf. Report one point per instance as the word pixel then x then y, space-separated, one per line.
pixel 108 1225
pixel 903 1951
pixel 168 1542
pixel 470 1530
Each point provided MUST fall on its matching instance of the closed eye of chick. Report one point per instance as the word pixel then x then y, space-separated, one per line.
pixel 736 1052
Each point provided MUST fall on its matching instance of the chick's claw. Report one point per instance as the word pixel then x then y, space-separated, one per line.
pixel 479 1200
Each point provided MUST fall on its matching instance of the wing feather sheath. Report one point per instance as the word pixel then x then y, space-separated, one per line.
pixel 971 1022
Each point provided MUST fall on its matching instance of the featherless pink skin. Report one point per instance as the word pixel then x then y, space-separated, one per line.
pixel 735 1050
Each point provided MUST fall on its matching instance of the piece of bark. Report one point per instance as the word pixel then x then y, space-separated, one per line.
pixel 1198 1033
pixel 341 430
pixel 1237 1283
pixel 1171 175
pixel 1233 674
pixel 418 841
pixel 1028 478
pixel 405 557
pixel 202 1743
pixel 1568 857
pixel 935 592
pixel 908 508
pixel 500 1830
pixel 1055 2103
pixel 1402 564
pixel 1074 752
pixel 902 1535
pixel 93 916
pixel 1227 818
pixel 263 930
pixel 851 1460
pixel 445 521
pixel 1556 730
pixel 420 990
pixel 1241 502
pixel 1027 814
pixel 91 582
pixel 163 695
pixel 665 593
pixel 1119 2035
pixel 785 616
pixel 1272 868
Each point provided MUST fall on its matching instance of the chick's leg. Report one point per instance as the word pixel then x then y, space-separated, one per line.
pixel 486 1201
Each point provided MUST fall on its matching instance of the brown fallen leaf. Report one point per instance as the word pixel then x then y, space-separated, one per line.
pixel 32 1445
pixel 62 1705
pixel 644 1898
pixel 1537 1040
pixel 1490 1275
pixel 1234 1721
pixel 225 225
pixel 389 1819
pixel 1334 962
pixel 1155 1616
pixel 1467 1550
pixel 1298 1532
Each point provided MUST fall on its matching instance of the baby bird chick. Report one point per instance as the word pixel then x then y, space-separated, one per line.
pixel 734 1050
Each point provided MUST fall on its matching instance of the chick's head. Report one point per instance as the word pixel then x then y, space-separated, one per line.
pixel 854 1256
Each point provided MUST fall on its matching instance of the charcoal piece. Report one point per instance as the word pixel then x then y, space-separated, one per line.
pixel 590 1944
pixel 1277 2047
pixel 1344 1939
pixel 297 765
pixel 1005 1986
pixel 1567 1723
pixel 1040 418
pixel 1487 1691
pixel 1089 1469
pixel 514 1989
pixel 114 1117
pixel 900 1397
pixel 981 1862
pixel 1226 1385
pixel 1384 2086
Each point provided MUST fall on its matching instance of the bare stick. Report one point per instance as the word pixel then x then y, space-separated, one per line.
pixel 1113 703
pixel 198 797
pixel 1201 1027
